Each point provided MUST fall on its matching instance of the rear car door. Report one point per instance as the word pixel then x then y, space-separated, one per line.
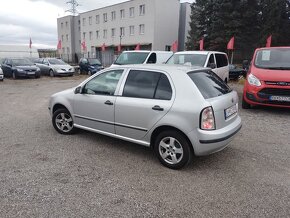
pixel 222 64
pixel 94 107
pixel 146 96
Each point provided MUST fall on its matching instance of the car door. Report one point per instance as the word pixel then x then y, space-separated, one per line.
pixel 46 66
pixel 146 96
pixel 94 107
pixel 222 64
pixel 7 68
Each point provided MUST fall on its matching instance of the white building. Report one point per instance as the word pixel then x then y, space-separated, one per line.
pixel 154 24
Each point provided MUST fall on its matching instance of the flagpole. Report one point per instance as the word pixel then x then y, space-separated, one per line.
pixel 232 58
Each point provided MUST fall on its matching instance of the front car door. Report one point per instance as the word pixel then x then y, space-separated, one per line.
pixel 222 66
pixel 7 68
pixel 94 107
pixel 145 97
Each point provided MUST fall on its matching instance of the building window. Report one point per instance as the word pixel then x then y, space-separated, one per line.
pixel 79 28
pixel 142 10
pixel 105 17
pixel 84 35
pixel 141 29
pixel 62 38
pixel 61 24
pixel 122 31
pixel 90 20
pixel 97 34
pixel 66 37
pixel 122 13
pixel 113 32
pixel 79 22
pixel 131 30
pixel 66 24
pixel 91 35
pixel 131 12
pixel 113 15
pixel 105 34
pixel 84 21
pixel 97 19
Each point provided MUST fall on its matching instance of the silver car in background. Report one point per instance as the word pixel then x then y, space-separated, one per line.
pixel 1 74
pixel 54 67
pixel 179 111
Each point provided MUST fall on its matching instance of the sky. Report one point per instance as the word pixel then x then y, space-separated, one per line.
pixel 21 20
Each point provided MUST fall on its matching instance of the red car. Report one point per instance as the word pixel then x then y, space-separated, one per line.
pixel 268 78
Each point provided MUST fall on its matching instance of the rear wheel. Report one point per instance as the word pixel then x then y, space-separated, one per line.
pixel 172 149
pixel 245 105
pixel 62 122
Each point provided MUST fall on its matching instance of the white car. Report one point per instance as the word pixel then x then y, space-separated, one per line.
pixel 1 75
pixel 217 61
pixel 142 57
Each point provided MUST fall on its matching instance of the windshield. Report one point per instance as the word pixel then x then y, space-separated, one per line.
pixel 21 62
pixel 192 59
pixel 94 62
pixel 56 62
pixel 131 58
pixel 273 58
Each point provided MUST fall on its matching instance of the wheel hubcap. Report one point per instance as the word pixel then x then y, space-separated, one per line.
pixel 170 150
pixel 64 122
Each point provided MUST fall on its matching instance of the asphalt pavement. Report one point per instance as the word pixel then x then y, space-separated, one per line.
pixel 45 174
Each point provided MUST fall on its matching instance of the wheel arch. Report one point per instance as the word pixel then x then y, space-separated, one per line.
pixel 58 106
pixel 160 129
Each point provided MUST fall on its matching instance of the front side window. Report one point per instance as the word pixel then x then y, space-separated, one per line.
pixel 221 60
pixel 274 58
pixel 211 61
pixel 147 84
pixel 103 84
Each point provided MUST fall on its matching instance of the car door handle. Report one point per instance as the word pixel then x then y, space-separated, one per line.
pixel 157 108
pixel 108 102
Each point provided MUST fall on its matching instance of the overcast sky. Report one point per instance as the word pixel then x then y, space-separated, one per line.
pixel 21 20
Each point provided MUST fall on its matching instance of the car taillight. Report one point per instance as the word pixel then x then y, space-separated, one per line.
pixel 207 121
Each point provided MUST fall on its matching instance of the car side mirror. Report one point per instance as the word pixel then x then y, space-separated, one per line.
pixel 78 90
pixel 212 65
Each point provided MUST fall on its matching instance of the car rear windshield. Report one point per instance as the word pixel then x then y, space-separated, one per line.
pixel 131 58
pixel 273 58
pixel 209 84
pixel 191 59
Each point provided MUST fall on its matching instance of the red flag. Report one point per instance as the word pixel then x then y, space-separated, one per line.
pixel 59 45
pixel 137 46
pixel 231 43
pixel 201 44
pixel 174 46
pixel 119 48
pixel 30 43
pixel 84 47
pixel 269 41
pixel 104 47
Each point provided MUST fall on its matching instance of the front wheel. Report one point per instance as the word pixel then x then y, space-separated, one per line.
pixel 172 149
pixel 14 76
pixel 62 122
pixel 51 73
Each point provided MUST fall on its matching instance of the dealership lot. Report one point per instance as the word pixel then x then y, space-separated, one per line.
pixel 45 174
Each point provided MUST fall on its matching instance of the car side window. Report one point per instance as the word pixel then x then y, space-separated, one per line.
pixel 211 61
pixel 152 59
pixel 103 84
pixel 221 60
pixel 45 61
pixel 84 61
pixel 164 90
pixel 147 84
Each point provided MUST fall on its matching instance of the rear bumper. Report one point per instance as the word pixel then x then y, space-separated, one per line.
pixel 208 142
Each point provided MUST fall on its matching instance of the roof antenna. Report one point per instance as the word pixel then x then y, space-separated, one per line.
pixel 73 7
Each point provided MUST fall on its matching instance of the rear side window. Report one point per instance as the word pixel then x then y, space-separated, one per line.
pixel 221 60
pixel 147 84
pixel 209 84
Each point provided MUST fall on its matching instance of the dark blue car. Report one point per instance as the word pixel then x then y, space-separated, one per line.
pixel 90 65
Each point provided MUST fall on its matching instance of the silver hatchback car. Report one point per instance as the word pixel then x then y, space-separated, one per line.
pixel 179 111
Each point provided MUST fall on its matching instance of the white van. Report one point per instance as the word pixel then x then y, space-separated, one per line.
pixel 142 57
pixel 217 61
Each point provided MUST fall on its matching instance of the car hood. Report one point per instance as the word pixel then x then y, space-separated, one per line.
pixel 271 75
pixel 31 67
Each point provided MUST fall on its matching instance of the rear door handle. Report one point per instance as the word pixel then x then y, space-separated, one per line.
pixel 108 102
pixel 157 108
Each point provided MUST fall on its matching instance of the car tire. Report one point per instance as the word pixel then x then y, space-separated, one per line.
pixel 14 76
pixel 62 121
pixel 245 105
pixel 172 149
pixel 51 73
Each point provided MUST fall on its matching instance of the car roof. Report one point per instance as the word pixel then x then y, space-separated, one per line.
pixel 266 48
pixel 171 69
pixel 199 52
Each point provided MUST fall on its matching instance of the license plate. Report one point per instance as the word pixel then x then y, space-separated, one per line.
pixel 30 73
pixel 231 111
pixel 279 98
